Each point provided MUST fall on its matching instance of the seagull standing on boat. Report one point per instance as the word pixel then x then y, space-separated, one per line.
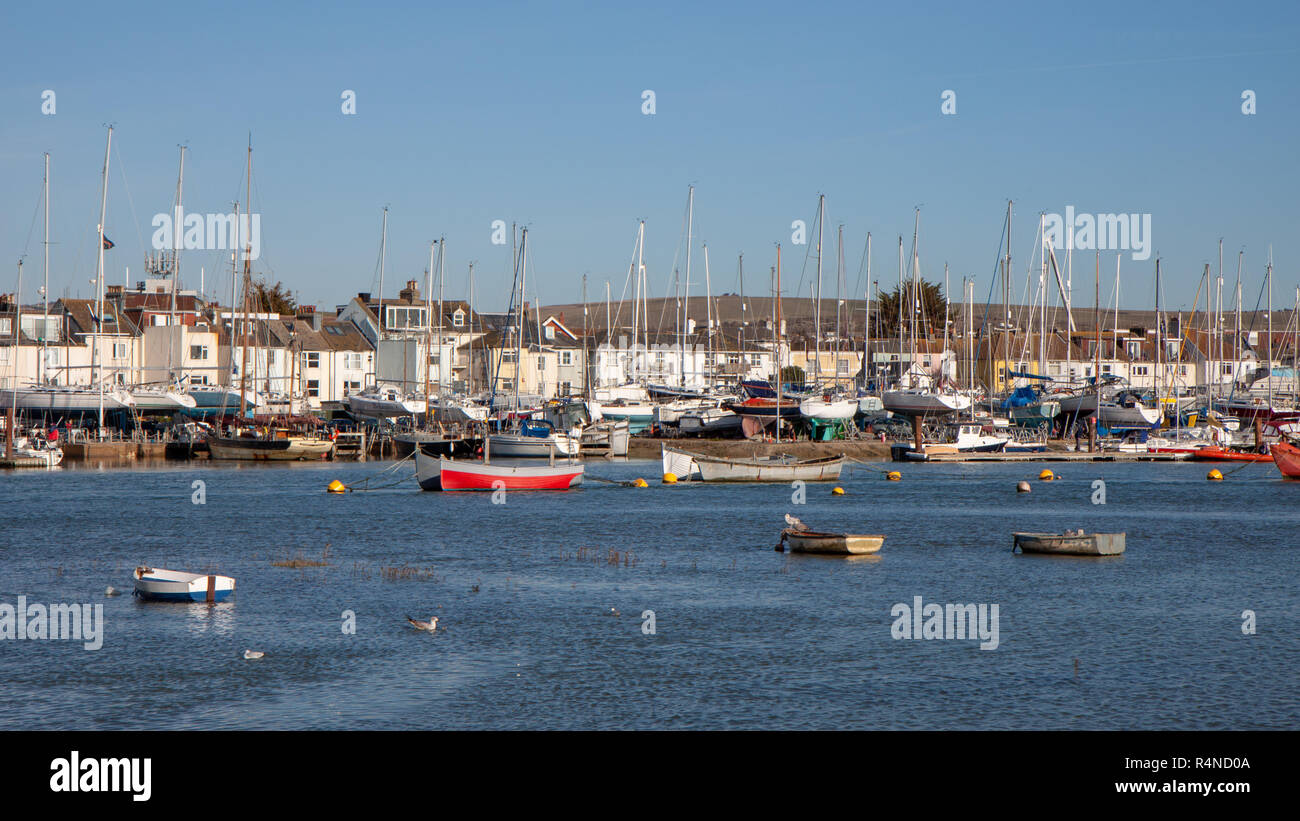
pixel 428 626
pixel 794 522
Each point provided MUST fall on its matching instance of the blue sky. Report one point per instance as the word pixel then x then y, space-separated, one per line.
pixel 533 114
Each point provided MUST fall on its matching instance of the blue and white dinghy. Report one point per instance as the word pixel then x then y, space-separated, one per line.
pixel 156 584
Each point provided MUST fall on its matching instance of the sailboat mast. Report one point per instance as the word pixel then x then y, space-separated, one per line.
pixel 817 304
pixel 866 319
pixel 428 334
pixel 776 331
pixel 442 279
pixel 177 236
pixel 686 290
pixel 1268 347
pixel 99 283
pixel 708 314
pixel 45 289
pixel 248 281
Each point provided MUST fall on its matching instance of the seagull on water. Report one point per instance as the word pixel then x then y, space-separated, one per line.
pixel 253 654
pixel 428 626
pixel 112 591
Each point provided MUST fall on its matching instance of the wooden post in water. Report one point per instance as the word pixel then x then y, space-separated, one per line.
pixel 916 434
pixel 1092 433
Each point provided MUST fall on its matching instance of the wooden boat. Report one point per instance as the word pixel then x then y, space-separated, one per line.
pixel 1287 458
pixel 769 469
pixel 442 473
pixel 156 584
pixel 680 463
pixel 278 448
pixel 1213 453
pixel 1075 543
pixel 833 544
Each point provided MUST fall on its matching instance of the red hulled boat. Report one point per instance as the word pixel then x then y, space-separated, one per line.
pixel 1287 458
pixel 442 473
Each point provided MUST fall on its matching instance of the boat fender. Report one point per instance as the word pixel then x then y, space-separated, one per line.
pixel 1022 487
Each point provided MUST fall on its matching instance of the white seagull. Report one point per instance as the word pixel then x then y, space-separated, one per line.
pixel 795 523
pixel 112 591
pixel 253 654
pixel 428 626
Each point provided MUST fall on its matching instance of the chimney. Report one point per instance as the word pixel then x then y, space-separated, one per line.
pixel 410 293
pixel 364 297
pixel 309 314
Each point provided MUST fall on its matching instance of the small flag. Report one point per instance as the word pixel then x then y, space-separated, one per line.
pixel 108 243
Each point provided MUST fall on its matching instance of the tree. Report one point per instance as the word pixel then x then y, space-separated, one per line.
pixel 275 299
pixel 929 317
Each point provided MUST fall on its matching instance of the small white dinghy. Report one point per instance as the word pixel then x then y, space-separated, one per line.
pixel 156 584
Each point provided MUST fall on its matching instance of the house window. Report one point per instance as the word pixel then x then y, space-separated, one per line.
pixel 158 319
pixel 198 352
pixel 566 357
pixel 550 332
pixel 313 387
pixel 352 360
pixel 199 380
pixel 119 350
pixel 541 363
pixel 566 389
pixel 458 318
pixel 4 355
pixel 507 384
pixel 6 326
pixel 1134 348
pixel 508 355
pixel 311 359
pixel 351 386
pixel 1139 370
pixel 841 366
pixel 1227 370
pixel 1105 368
pixel 733 359
pixel 405 318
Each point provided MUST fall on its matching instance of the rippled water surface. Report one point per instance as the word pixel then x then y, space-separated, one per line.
pixel 745 637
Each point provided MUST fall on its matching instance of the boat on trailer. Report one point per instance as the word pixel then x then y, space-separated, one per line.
pixel 1075 543
pixel 157 584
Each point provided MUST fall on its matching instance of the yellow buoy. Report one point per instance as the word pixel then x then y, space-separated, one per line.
pixel 837 491
pixel 1214 476
pixel 670 478
pixel 1047 475
pixel 640 483
pixel 893 476
pixel 336 487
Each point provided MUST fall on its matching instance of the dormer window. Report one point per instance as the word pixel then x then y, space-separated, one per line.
pixel 458 318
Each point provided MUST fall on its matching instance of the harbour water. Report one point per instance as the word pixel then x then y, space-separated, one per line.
pixel 744 637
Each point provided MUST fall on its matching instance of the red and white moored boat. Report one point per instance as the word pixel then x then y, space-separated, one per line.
pixel 442 473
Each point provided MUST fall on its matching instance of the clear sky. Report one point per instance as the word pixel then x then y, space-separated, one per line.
pixel 468 113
